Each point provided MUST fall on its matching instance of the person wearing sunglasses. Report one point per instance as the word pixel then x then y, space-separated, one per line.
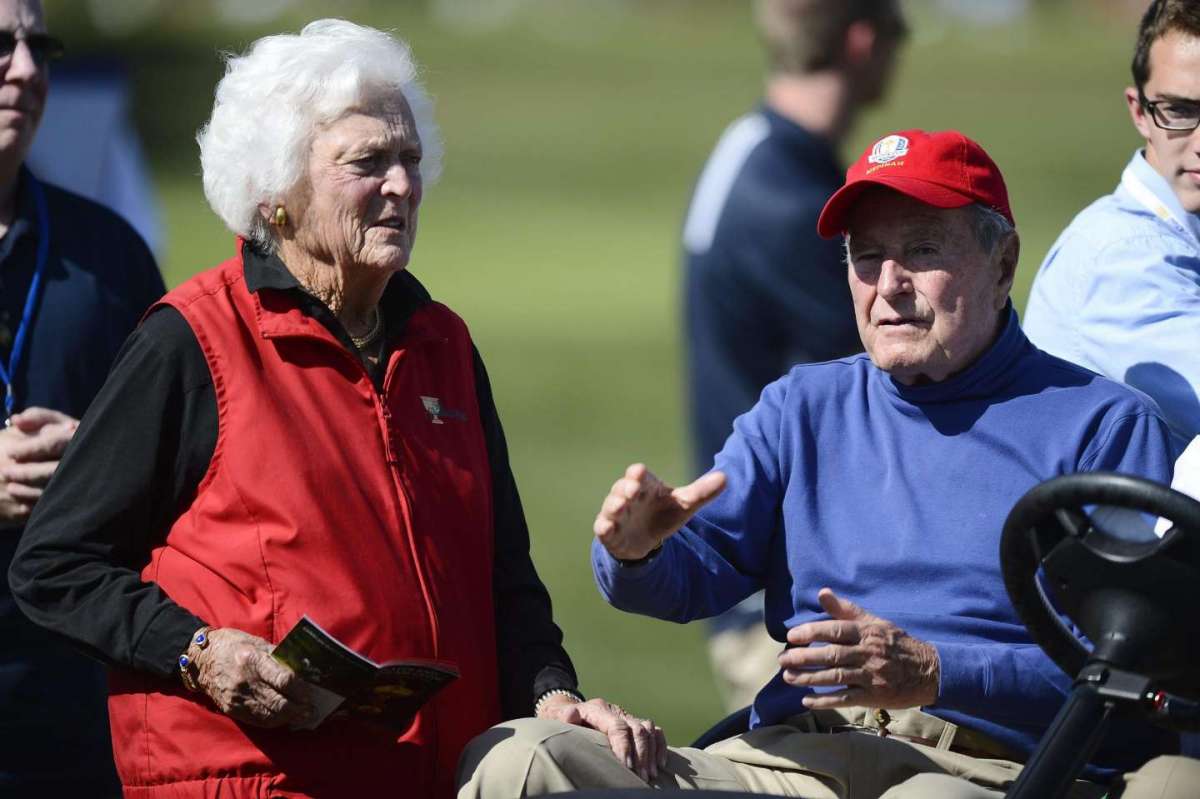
pixel 74 280
pixel 1119 292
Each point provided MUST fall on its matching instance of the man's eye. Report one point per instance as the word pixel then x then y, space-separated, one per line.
pixel 866 267
pixel 1182 110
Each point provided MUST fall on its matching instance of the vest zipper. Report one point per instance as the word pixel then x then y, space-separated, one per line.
pixel 391 454
pixel 391 451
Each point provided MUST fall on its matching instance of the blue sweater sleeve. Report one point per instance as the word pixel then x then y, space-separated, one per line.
pixel 976 679
pixel 719 558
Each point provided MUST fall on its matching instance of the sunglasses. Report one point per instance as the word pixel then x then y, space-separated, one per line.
pixel 42 46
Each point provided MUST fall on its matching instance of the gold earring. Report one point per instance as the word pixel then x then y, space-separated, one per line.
pixel 280 219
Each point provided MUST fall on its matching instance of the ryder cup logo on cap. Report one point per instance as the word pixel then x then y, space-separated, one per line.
pixel 887 149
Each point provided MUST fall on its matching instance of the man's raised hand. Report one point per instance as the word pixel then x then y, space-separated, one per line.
pixel 641 511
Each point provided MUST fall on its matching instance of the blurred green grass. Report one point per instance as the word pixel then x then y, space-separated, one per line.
pixel 573 134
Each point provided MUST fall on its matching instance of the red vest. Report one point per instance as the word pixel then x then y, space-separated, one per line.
pixel 363 510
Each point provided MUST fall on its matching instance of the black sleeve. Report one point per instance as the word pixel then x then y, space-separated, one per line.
pixel 134 463
pixel 528 643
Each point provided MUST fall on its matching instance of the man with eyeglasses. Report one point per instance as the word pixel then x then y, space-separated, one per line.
pixel 1119 291
pixel 74 280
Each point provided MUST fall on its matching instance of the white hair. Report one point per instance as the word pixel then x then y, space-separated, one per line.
pixel 991 229
pixel 273 99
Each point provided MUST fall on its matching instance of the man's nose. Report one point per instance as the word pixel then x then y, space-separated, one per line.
pixel 894 279
pixel 22 65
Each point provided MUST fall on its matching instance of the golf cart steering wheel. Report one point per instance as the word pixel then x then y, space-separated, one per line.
pixel 1135 600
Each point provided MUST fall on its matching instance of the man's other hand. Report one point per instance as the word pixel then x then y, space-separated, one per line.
pixel 30 449
pixel 641 511
pixel 876 663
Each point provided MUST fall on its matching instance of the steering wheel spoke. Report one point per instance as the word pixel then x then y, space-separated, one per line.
pixel 1073 521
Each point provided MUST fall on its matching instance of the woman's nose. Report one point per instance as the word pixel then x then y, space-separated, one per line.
pixel 398 181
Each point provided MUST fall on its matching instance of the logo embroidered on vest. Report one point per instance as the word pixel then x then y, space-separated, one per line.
pixel 433 406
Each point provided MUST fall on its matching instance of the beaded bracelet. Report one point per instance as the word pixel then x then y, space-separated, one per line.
pixel 537 706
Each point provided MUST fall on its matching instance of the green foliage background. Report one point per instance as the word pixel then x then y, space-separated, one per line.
pixel 574 132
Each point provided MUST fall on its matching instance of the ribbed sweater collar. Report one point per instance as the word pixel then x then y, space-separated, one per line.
pixel 985 378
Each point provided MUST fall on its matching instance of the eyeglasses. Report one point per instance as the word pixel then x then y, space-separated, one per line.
pixel 1173 114
pixel 42 46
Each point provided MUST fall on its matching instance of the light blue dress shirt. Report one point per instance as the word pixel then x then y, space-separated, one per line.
pixel 1119 293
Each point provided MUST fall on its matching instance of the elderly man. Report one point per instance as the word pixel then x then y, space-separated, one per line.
pixel 1119 292
pixel 74 279
pixel 867 496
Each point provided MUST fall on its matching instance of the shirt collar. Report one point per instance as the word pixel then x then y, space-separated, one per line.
pixel 1141 171
pixel 983 379
pixel 803 138
pixel 402 297
pixel 24 219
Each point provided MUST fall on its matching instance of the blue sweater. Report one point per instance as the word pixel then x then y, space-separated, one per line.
pixel 895 497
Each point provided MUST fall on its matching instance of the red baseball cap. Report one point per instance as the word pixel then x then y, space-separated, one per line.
pixel 944 169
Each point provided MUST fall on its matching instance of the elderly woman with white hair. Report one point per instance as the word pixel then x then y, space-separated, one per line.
pixel 302 431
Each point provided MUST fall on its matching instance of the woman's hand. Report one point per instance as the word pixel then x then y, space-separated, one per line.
pixel 638 743
pixel 237 672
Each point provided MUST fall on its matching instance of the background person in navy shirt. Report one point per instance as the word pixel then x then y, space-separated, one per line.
pixel 74 280
pixel 762 291
pixel 867 497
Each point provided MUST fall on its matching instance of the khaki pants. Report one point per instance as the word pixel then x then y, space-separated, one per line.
pixel 1162 778
pixel 533 757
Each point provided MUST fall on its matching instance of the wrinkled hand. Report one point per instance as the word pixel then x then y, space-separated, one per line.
pixel 237 672
pixel 879 664
pixel 641 511
pixel 638 743
pixel 29 453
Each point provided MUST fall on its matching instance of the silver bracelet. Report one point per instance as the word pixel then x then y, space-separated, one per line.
pixel 537 706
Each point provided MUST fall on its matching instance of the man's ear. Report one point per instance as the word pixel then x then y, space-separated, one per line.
pixel 860 44
pixel 1137 113
pixel 1009 255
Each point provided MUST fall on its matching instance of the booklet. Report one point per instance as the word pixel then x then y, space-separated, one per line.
pixel 388 694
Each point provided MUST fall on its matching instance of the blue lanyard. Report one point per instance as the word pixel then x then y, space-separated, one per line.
pixel 9 372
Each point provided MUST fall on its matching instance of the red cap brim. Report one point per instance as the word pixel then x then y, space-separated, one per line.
pixel 836 212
